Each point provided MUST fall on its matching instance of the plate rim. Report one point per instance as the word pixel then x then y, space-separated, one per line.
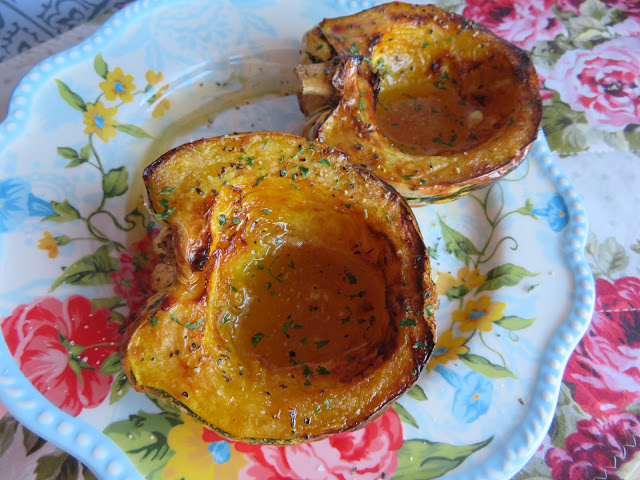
pixel 109 462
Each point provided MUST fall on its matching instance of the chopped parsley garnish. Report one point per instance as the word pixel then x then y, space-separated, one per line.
pixel 407 322
pixel 226 318
pixel 153 320
pixel 166 191
pixel 255 340
pixel 175 319
pixel 222 220
pixel 236 220
pixel 302 150
pixel 352 278
pixel 196 325
pixel 303 171
pixel 322 370
pixel 322 343
pixel 266 211
pixel 259 179
pixel 324 161
pixel 164 215
pixel 286 326
pixel 232 288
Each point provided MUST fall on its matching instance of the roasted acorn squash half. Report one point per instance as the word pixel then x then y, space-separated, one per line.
pixel 433 103
pixel 301 303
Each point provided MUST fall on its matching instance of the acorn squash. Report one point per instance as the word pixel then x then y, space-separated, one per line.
pixel 432 102
pixel 301 302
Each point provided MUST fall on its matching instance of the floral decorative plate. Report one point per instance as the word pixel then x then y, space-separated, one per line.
pixel 76 254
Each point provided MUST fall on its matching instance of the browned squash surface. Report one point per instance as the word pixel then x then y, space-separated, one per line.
pixel 435 104
pixel 302 302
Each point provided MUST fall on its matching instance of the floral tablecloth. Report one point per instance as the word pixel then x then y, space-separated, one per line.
pixel 587 54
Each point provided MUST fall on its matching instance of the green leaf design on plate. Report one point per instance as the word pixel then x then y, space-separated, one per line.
pixel 90 270
pixel 65 212
pixel 485 367
pixel 457 291
pixel 507 275
pixel 119 388
pixel 417 393
pixel 68 153
pixel 143 437
pixel 100 66
pixel 457 243
pixel 108 302
pixel 425 459
pixel 73 99
pixel 514 322
pixel 405 416
pixel 132 130
pixel 111 365
pixel 114 183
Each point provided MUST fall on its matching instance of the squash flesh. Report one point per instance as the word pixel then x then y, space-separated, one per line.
pixel 301 284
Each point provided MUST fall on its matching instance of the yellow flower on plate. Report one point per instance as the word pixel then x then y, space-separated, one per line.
pixel 154 78
pixel 200 453
pixel 99 120
pixel 447 349
pixel 48 243
pixel 471 278
pixel 162 106
pixel 468 277
pixel 479 314
pixel 118 85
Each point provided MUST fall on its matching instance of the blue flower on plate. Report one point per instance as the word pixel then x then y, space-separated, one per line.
pixel 472 396
pixel 556 212
pixel 17 202
pixel 220 451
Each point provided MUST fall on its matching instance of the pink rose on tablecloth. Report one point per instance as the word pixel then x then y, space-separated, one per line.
pixel 596 445
pixel 368 454
pixel 60 345
pixel 602 82
pixel 606 364
pixel 132 281
pixel 522 22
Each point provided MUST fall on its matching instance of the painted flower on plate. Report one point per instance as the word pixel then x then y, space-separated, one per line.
pixel 99 120
pixel 556 212
pixel 479 314
pixel 447 349
pixel 201 453
pixel 472 397
pixel 49 244
pixel 118 85
pixel 601 82
pixel 467 279
pixel 597 449
pixel 367 454
pixel 60 345
pixel 522 22
pixel 132 280
pixel 605 366
pixel 17 202
pixel 162 103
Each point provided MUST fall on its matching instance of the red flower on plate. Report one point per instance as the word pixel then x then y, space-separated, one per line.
pixel 132 281
pixel 606 365
pixel 60 345
pixel 522 22
pixel 601 82
pixel 368 453
pixel 597 448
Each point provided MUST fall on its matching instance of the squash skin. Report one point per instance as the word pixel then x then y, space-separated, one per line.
pixel 203 366
pixel 477 105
